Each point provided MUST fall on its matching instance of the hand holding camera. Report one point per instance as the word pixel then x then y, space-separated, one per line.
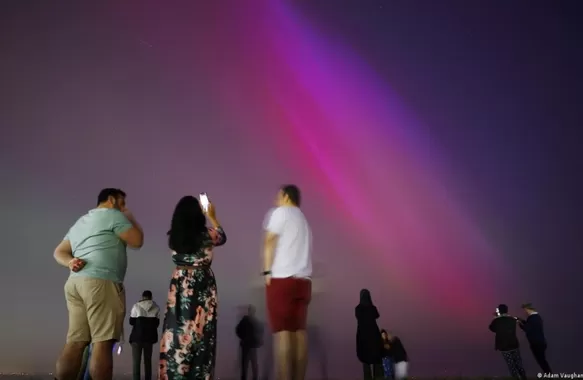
pixel 208 208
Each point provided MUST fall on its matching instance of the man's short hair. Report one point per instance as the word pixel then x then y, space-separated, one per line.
pixel 109 192
pixel 147 294
pixel 528 306
pixel 503 309
pixel 294 194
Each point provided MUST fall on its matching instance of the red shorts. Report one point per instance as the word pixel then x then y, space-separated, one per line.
pixel 287 303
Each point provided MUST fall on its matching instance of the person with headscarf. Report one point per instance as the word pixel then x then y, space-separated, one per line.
pixel 369 344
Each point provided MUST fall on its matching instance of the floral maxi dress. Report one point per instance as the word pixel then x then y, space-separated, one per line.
pixel 189 335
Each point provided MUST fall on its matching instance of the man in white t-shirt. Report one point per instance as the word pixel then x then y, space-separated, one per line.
pixel 287 270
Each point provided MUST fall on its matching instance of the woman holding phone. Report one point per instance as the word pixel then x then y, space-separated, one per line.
pixel 189 334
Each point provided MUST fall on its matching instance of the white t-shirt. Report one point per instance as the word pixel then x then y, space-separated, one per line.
pixel 293 256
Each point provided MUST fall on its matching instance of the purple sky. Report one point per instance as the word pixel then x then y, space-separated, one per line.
pixel 437 145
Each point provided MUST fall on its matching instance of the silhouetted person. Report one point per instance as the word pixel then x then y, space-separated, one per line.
pixel 504 326
pixel 533 327
pixel 145 319
pixel 388 366
pixel 396 351
pixel 250 340
pixel 369 344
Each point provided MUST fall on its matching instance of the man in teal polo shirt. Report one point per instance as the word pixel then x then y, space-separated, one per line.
pixel 94 250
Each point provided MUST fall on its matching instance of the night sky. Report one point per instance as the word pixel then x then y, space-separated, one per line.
pixel 437 144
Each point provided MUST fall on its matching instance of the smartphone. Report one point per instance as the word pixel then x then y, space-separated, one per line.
pixel 204 201
pixel 497 312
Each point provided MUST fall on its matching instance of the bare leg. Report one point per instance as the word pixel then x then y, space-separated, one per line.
pixel 70 361
pixel 101 366
pixel 283 355
pixel 300 354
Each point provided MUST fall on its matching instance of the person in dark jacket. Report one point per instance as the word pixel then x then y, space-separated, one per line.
pixel 388 364
pixel 249 336
pixel 145 319
pixel 504 326
pixel 533 328
pixel 369 344
pixel 396 351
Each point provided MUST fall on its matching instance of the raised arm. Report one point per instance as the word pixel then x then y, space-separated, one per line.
pixel 125 226
pixel 216 233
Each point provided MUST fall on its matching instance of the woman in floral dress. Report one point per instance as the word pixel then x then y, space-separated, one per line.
pixel 189 337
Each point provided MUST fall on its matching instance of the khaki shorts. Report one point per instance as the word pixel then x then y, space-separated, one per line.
pixel 97 309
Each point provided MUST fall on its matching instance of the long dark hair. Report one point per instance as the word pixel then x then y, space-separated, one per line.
pixel 187 227
pixel 365 298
